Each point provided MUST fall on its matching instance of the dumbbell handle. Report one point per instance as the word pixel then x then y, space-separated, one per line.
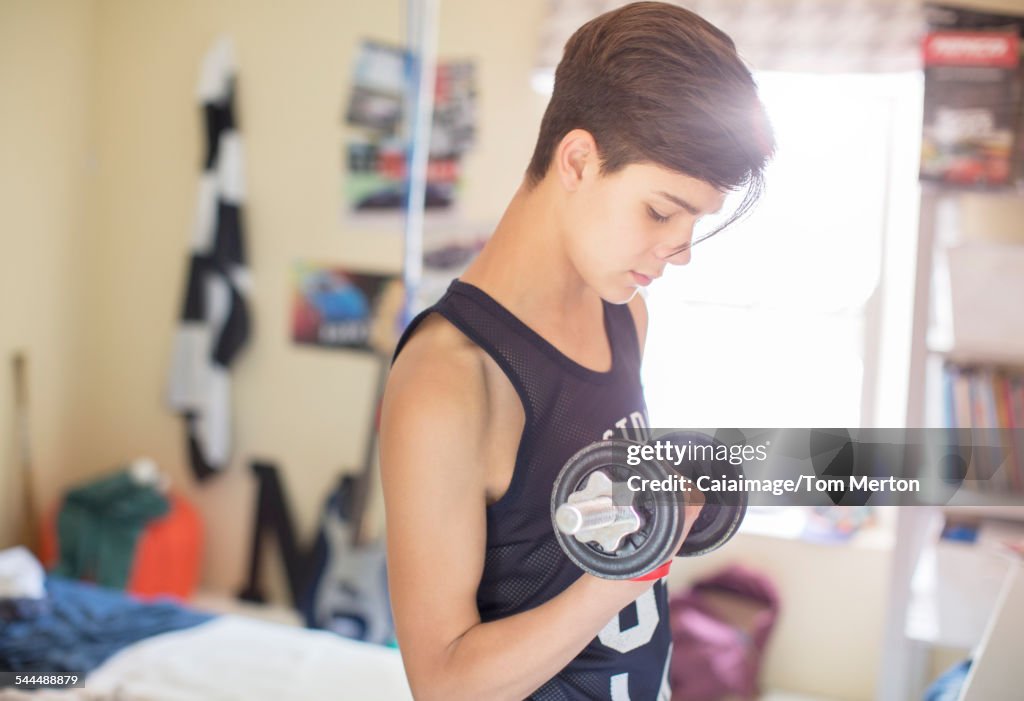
pixel 575 518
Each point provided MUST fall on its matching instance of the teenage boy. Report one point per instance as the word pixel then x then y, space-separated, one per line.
pixel 535 352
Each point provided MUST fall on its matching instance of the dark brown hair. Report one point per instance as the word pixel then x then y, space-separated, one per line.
pixel 653 82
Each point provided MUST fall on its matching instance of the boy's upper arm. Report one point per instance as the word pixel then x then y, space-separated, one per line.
pixel 638 307
pixel 432 437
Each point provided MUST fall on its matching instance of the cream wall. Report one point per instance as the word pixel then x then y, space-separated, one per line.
pixel 509 110
pixel 125 74
pixel 47 80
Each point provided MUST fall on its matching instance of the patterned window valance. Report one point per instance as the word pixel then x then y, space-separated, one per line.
pixel 818 36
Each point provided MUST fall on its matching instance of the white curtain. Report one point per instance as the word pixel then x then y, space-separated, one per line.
pixel 810 36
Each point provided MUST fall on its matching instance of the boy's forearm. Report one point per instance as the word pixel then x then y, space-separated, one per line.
pixel 512 657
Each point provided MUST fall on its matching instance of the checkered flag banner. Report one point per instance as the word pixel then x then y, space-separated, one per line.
pixel 808 36
pixel 214 324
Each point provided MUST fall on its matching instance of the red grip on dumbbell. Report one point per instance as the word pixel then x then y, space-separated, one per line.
pixel 656 573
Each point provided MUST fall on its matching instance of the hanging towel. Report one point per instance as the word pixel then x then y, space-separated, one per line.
pixel 214 323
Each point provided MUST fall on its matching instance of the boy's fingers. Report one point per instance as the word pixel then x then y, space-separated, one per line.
pixel 694 500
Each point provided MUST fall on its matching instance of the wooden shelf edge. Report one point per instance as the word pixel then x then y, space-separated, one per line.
pixel 978 355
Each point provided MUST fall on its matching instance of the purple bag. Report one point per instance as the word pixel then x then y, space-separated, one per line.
pixel 720 628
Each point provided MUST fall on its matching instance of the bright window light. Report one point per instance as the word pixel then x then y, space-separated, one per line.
pixel 767 325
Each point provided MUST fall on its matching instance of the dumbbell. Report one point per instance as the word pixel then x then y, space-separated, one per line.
pixel 613 532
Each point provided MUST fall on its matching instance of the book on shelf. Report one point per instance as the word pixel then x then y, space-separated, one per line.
pixel 988 403
pixel 1005 417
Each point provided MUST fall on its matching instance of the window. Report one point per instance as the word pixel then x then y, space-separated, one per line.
pixel 777 320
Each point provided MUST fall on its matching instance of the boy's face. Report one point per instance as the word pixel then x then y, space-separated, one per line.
pixel 624 228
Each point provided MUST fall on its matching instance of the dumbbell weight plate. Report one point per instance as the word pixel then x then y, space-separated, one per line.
pixel 722 515
pixel 661 522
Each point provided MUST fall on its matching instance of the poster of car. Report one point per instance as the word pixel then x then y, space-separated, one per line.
pixel 376 178
pixel 375 148
pixel 334 307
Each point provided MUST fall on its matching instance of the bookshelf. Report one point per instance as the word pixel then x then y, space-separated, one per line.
pixel 968 311
pixel 943 593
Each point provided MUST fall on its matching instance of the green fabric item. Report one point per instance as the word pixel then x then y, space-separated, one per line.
pixel 99 525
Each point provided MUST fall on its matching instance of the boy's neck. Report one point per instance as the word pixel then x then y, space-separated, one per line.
pixel 525 266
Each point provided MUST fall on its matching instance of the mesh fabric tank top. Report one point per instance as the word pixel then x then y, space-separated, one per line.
pixel 567 406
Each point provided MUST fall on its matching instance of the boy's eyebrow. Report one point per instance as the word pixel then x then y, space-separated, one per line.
pixel 681 202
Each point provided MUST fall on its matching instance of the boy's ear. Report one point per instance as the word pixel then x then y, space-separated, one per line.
pixel 576 152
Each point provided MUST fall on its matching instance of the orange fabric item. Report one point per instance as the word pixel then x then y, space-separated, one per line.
pixel 168 557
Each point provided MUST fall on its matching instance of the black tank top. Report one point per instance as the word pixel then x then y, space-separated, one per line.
pixel 567 406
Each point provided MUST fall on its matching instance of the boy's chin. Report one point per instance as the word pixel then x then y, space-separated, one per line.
pixel 622 295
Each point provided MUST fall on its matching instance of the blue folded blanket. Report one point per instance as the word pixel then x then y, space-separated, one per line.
pixel 84 625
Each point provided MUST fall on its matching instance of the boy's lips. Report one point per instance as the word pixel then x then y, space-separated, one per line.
pixel 643 280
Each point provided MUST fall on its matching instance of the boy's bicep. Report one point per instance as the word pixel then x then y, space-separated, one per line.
pixel 436 509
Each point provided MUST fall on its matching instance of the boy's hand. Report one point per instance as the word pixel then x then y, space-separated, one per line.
pixel 693 503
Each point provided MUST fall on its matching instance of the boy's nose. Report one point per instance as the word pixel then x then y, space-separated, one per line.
pixel 677 255
pixel 681 258
pixel 676 249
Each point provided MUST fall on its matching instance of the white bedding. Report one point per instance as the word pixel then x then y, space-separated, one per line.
pixel 238 659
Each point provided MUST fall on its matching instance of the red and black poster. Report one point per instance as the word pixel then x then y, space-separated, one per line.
pixel 972 106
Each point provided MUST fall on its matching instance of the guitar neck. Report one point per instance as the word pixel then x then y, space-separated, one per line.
pixel 362 491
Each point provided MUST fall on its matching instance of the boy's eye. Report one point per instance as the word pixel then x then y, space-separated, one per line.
pixel 660 218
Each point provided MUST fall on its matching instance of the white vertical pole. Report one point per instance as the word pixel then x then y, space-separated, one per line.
pixel 903 659
pixel 421 31
pixel 918 390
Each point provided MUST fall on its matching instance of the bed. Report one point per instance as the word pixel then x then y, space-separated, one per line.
pixel 215 658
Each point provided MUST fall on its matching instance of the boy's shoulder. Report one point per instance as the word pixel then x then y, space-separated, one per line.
pixel 439 367
pixel 436 339
pixel 437 345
